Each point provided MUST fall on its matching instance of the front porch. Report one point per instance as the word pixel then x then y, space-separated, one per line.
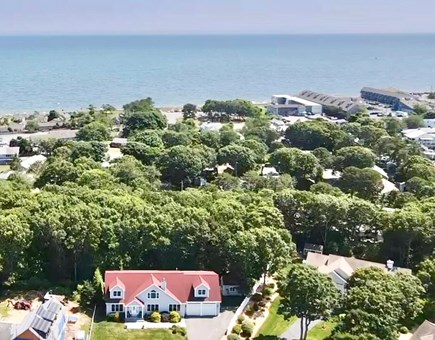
pixel 134 313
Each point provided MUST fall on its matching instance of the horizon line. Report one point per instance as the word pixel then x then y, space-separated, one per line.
pixel 126 34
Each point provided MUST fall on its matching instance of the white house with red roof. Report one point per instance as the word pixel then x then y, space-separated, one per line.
pixel 140 292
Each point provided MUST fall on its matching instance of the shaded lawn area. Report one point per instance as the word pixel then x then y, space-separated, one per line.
pixel 322 330
pixel 111 330
pixel 275 323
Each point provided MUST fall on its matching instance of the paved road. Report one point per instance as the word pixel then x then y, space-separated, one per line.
pixel 293 333
pixel 208 328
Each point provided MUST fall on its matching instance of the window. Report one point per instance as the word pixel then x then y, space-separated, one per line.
pixel 152 308
pixel 201 292
pixel 117 293
pixel 117 308
pixel 174 308
pixel 153 295
pixel 233 289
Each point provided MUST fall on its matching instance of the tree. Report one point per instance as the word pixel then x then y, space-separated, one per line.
pixel 325 188
pixel 228 135
pixel 153 120
pixel 258 148
pixel 393 126
pixel 93 150
pixel 57 172
pixel 417 166
pixel 426 274
pixel 226 182
pixel 420 109
pixel 180 165
pixel 301 165
pixel 241 158
pixel 414 122
pixel 264 250
pixel 311 135
pixel 53 114
pixel 364 183
pixel 259 129
pixel 210 139
pixel 189 111
pixel 151 138
pixel 356 156
pixel 369 135
pixel 146 154
pixel 95 131
pixel 324 156
pixel 309 295
pixel 141 105
pixel 25 145
pixel 31 126
pixel 172 138
pixel 378 303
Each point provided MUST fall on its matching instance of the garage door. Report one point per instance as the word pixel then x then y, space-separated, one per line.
pixel 209 309
pixel 193 309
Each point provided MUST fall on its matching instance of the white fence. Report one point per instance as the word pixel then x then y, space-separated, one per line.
pixel 91 327
pixel 242 307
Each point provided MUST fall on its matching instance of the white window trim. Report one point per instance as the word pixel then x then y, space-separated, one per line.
pixel 116 289
pixel 116 307
pixel 201 288
pixel 157 295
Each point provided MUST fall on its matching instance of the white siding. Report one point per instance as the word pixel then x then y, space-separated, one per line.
pixel 163 301
pixel 231 290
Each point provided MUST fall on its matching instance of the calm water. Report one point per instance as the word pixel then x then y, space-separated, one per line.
pixel 40 73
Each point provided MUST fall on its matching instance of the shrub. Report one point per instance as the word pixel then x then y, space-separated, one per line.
pixel 256 307
pixel 240 318
pixel 403 330
pixel 257 297
pixel 174 317
pixel 155 317
pixel 262 304
pixel 233 337
pixel 237 329
pixel 115 317
pixel 268 291
pixel 249 311
pixel 247 328
pixel 165 317
pixel 178 330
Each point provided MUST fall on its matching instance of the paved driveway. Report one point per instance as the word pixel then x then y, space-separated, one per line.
pixel 293 333
pixel 208 328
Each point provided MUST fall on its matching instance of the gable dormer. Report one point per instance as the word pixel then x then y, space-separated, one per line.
pixel 201 288
pixel 118 290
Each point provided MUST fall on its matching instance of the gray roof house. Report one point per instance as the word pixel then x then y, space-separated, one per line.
pixel 349 105
pixel 426 331
pixel 341 268
pixel 47 322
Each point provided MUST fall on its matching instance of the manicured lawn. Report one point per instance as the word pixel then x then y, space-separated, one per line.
pixel 322 330
pixel 111 330
pixel 275 323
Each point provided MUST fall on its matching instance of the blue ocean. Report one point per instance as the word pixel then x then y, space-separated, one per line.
pixel 42 73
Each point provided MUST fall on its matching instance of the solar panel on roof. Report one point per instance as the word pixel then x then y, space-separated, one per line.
pixel 47 315
pixel 53 306
pixel 41 325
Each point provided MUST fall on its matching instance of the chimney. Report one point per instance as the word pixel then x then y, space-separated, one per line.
pixel 163 284
pixel 390 265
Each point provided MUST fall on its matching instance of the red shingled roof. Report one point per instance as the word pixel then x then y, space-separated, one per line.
pixel 179 284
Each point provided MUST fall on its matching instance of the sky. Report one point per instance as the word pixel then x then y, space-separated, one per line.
pixel 47 17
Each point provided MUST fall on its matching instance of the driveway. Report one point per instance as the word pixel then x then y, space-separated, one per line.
pixel 293 333
pixel 208 328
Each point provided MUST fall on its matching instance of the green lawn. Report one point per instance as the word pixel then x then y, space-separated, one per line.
pixel 322 330
pixel 111 330
pixel 275 323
